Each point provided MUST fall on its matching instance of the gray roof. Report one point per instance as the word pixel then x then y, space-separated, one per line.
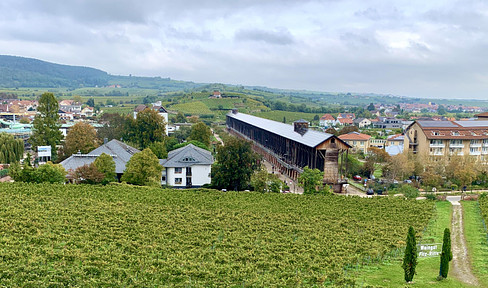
pixel 472 123
pixel 187 156
pixel 437 124
pixel 311 138
pixel 120 152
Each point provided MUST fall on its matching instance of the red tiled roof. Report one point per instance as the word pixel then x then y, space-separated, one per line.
pixel 327 117
pixel 345 120
pixel 354 136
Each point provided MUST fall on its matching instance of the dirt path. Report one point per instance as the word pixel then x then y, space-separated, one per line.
pixel 460 267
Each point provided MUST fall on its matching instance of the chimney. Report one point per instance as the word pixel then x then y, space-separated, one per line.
pixel 234 111
pixel 105 140
pixel 300 126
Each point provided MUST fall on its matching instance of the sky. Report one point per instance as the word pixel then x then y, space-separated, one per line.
pixel 433 49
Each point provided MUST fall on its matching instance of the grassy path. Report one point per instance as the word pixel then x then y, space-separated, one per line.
pixel 460 265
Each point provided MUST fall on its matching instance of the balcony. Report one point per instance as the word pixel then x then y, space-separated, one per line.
pixel 456 145
pixel 485 144
pixel 456 153
pixel 437 153
pixel 437 145
pixel 475 145
pixel 484 151
pixel 475 153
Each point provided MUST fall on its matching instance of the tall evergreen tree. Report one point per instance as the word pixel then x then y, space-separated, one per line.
pixel 45 127
pixel 410 258
pixel 446 255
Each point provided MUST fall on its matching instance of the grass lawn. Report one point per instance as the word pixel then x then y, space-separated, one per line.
pixel 390 274
pixel 477 240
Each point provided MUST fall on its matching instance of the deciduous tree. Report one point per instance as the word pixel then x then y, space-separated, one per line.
pixel 88 174
pixel 311 180
pixel 148 127
pixel 105 164
pixel 81 137
pixel 235 164
pixel 143 169
pixel 201 133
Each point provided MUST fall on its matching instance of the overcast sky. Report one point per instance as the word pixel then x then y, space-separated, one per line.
pixel 423 48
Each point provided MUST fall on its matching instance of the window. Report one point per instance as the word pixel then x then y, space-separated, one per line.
pixel 188 159
pixel 178 180
pixel 163 178
pixel 178 170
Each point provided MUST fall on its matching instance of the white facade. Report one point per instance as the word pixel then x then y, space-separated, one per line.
pixel 196 175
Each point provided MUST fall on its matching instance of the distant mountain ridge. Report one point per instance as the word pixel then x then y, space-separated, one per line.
pixel 29 72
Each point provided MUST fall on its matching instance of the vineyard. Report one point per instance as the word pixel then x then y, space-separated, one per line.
pixel 483 201
pixel 117 235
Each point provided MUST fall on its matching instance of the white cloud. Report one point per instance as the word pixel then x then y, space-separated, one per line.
pixel 414 47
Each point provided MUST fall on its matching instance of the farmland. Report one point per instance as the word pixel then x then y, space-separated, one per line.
pixel 117 235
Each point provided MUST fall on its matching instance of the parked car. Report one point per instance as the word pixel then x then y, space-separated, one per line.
pixel 408 181
pixel 370 191
pixel 357 178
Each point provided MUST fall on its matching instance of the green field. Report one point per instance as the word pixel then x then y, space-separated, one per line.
pixel 118 235
pixel 477 238
pixel 390 273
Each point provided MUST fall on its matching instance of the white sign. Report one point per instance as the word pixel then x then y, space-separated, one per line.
pixel 429 250
pixel 43 151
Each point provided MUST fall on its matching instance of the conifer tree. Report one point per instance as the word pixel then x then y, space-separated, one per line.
pixel 446 255
pixel 45 127
pixel 410 258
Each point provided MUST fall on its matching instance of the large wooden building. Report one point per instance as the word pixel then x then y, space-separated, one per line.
pixel 289 148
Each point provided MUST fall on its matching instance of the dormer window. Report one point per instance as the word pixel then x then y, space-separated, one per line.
pixel 435 133
pixel 455 133
pixel 188 159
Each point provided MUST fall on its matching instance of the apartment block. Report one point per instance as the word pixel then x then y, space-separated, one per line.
pixel 446 138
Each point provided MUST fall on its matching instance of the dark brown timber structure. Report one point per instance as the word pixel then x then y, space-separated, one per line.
pixel 289 148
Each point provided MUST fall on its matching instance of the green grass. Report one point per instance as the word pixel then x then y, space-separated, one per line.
pixel 390 274
pixel 477 240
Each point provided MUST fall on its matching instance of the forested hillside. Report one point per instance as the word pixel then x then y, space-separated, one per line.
pixel 27 72
pixel 18 72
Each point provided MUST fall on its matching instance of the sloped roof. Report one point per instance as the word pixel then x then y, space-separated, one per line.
pixel 140 108
pixel 311 138
pixel 160 109
pixel 120 152
pixel 187 156
pixel 354 136
pixel 327 117
pixel 469 129
pixel 345 120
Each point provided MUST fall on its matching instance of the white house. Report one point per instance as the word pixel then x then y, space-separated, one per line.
pixel 188 166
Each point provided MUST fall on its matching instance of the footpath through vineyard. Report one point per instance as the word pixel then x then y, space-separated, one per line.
pixel 461 266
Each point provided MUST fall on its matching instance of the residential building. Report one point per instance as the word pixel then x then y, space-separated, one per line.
pixel 120 152
pixel 388 123
pixel 351 116
pixel 446 138
pixel 186 167
pixel 327 120
pixel 482 116
pixel 359 141
pixel 345 121
pixel 362 122
pixel 70 106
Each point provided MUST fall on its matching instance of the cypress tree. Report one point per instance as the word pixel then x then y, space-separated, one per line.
pixel 446 255
pixel 410 258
